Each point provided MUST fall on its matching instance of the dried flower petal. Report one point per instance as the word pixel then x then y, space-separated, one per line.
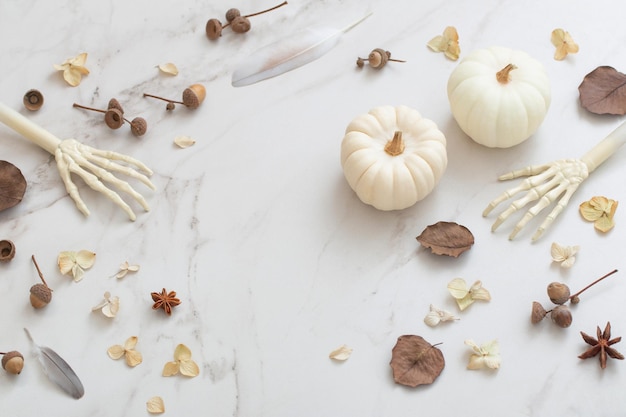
pixel 125 268
pixel 155 405
pixel 487 355
pixel 169 68
pixel 448 43
pixel 73 69
pixel 184 141
pixel 564 44
pixel 109 306
pixel 182 363
pixel 436 316
pixel 341 353
pixel 133 357
pixel 599 210
pixel 76 263
pixel 465 297
pixel 564 254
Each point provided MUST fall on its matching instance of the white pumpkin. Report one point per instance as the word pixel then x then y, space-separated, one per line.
pixel 392 157
pixel 499 96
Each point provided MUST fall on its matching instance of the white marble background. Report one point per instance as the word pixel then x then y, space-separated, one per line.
pixel 275 259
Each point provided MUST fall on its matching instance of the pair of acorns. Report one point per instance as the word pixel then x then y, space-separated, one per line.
pixel 559 294
pixel 234 19
pixel 114 117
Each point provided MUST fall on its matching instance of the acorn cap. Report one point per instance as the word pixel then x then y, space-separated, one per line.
pixel 231 14
pixel 538 313
pixel 213 29
pixel 194 95
pixel 240 24
pixel 114 118
pixel 33 100
pixel 40 295
pixel 13 362
pixel 7 250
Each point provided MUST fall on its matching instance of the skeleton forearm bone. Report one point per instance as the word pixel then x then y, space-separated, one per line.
pixel 546 183
pixel 92 165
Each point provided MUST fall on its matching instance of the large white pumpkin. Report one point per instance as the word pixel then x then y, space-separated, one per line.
pixel 392 157
pixel 499 96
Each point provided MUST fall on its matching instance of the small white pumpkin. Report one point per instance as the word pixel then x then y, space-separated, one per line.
pixel 499 96
pixel 392 157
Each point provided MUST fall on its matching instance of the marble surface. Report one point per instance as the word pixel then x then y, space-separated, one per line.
pixel 275 259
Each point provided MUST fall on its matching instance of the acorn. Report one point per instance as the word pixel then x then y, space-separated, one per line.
pixel 13 362
pixel 138 126
pixel 193 96
pixel 7 250
pixel 33 100
pixel 240 24
pixel 114 104
pixel 376 59
pixel 231 14
pixel 558 292
pixel 538 313
pixel 561 316
pixel 40 294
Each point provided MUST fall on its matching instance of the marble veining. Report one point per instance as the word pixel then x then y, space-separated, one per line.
pixel 275 259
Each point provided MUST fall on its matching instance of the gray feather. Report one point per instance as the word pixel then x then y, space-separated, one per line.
pixel 58 370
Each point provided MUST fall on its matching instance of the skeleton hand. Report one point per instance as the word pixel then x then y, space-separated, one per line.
pixel 92 165
pixel 546 183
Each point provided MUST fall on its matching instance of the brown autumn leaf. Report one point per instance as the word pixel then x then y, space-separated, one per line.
pixel 446 238
pixel 415 362
pixel 603 91
pixel 12 185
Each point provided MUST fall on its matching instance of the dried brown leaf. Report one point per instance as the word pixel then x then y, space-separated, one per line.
pixel 446 238
pixel 603 91
pixel 12 185
pixel 415 362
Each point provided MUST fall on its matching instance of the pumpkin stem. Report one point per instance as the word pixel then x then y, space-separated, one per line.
pixel 503 75
pixel 396 145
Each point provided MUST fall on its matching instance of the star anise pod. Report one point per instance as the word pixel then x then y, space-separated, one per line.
pixel 602 345
pixel 165 300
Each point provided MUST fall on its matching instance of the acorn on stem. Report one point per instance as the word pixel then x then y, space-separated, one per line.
pixel 12 362
pixel 40 294
pixel 234 19
pixel 114 117
pixel 193 96
pixel 376 59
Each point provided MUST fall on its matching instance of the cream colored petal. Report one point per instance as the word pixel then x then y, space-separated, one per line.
pixel 60 67
pixel 342 353
pixel 453 50
pixel 492 361
pixel 557 37
pixel 72 76
pixel 184 141
pixel 77 272
pixel 438 43
pixel 451 34
pixel 464 302
pixel 480 294
pixel 65 261
pixel 182 353
pixel 112 307
pixel 133 358
pixel 79 60
pixel 600 202
pixel 604 224
pixel 589 212
pixel 491 348
pixel 85 259
pixel 170 368
pixel 101 305
pixel 189 368
pixel 131 342
pixel 561 52
pixel 557 252
pixel 116 351
pixel 133 268
pixel 613 208
pixel 169 68
pixel 476 362
pixel 473 345
pixel 432 319
pixel 155 405
pixel 569 262
pixel 458 288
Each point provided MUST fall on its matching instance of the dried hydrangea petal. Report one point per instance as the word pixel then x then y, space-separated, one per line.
pixel 564 44
pixel 342 353
pixel 109 305
pixel 73 69
pixel 116 351
pixel 436 316
pixel 182 363
pixel 485 356
pixel 463 296
pixel 564 254
pixel 599 210
pixel 604 224
pixel 75 262
pixel 170 368
pixel 155 405
pixel 448 43
pixel 169 68
pixel 189 368
pixel 125 268
pixel 184 141
pixel 133 358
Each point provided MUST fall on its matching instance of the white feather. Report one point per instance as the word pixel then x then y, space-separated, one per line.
pixel 288 54
pixel 57 370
